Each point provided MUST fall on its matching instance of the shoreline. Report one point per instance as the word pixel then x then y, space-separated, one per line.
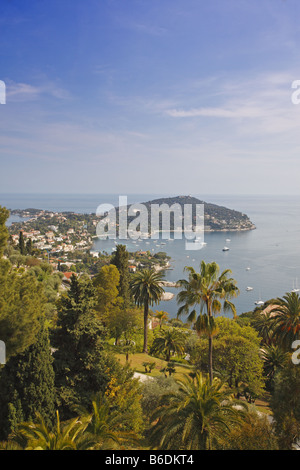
pixel 31 214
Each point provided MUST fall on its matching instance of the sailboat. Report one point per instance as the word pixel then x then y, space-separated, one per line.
pixel 259 302
pixel 295 287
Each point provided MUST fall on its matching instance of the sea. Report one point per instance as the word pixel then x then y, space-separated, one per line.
pixel 266 258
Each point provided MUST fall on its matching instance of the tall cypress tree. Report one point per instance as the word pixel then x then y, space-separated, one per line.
pixel 22 244
pixel 29 247
pixel 120 260
pixel 27 385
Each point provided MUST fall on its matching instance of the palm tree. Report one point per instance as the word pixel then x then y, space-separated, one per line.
pixel 147 290
pixel 161 316
pixel 104 425
pixel 65 436
pixel 100 428
pixel 285 319
pixel 263 325
pixel 168 341
pixel 195 415
pixel 206 289
pixel 274 359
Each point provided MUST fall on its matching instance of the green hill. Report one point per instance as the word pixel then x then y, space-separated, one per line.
pixel 216 218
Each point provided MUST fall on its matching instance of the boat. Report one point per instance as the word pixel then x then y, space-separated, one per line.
pixel 259 302
pixel 225 248
pixel 249 288
pixel 198 240
pixel 295 287
pixel 228 239
pixel 248 269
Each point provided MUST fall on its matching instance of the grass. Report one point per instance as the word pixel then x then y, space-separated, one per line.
pixel 136 362
pixel 263 406
pixel 181 370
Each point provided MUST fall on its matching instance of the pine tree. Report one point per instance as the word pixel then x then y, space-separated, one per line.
pixel 22 302
pixel 107 296
pixel 27 385
pixel 81 367
pixel 120 260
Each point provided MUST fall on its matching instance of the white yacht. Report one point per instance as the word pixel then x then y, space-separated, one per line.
pixel 225 248
pixel 249 288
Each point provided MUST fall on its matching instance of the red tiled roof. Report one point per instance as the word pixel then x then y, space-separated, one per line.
pixel 68 275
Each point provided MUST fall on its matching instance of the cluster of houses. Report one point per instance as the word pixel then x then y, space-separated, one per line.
pixel 54 242
pixel 57 242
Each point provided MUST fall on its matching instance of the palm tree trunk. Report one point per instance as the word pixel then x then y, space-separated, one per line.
pixel 146 311
pixel 210 358
pixel 210 346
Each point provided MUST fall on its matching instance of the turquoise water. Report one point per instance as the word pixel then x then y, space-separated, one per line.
pixel 271 251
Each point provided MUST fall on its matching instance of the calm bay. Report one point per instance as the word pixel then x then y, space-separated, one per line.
pixel 266 259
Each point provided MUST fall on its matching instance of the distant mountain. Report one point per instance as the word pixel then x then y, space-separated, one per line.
pixel 216 218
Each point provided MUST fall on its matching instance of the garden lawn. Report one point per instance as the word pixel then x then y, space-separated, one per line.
pixel 136 362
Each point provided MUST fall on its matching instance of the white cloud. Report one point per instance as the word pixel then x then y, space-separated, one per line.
pixel 255 105
pixel 19 92
pixel 238 112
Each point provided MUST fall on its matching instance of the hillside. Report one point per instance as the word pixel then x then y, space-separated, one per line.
pixel 216 218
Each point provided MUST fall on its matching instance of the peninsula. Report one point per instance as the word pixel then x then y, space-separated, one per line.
pixel 216 218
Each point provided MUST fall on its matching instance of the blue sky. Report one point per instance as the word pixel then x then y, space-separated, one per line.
pixel 150 96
